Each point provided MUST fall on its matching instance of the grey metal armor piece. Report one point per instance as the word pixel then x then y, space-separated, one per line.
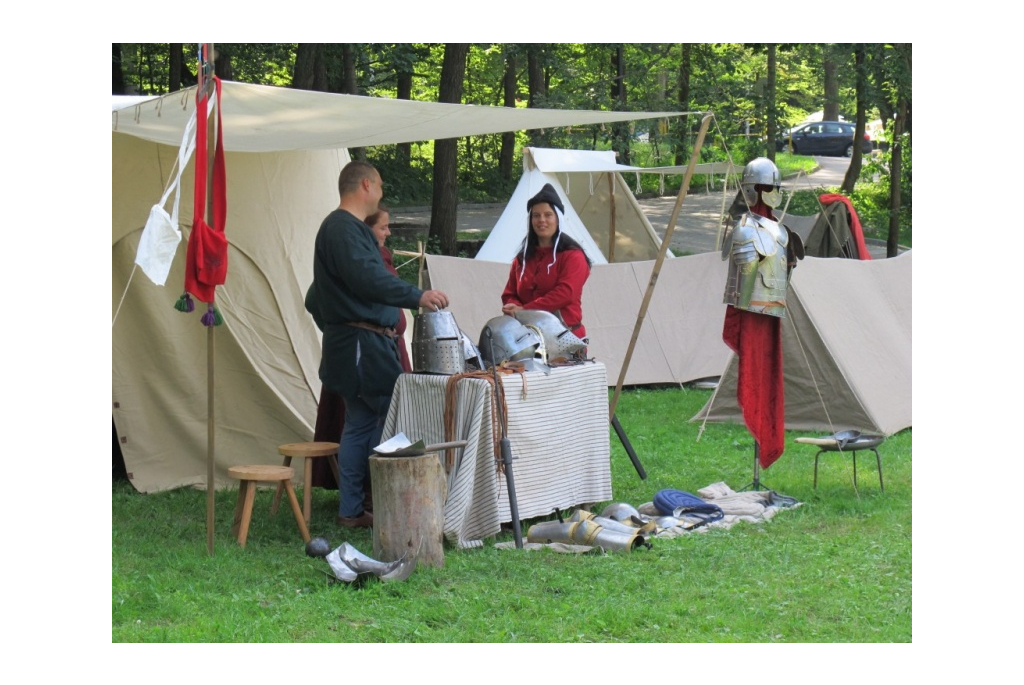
pixel 437 345
pixel 511 341
pixel 758 266
pixel 558 341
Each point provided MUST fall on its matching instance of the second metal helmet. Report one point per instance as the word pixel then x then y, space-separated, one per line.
pixel 558 340
pixel 511 341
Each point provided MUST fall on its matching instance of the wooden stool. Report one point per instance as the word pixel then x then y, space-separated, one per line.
pixel 851 445
pixel 308 451
pixel 248 477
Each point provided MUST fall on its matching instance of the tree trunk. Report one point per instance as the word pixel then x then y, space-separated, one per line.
pixel 444 207
pixel 620 131
pixel 508 140
pixel 348 69
pixel 348 87
pixel 222 65
pixel 853 171
pixel 408 508
pixel 404 150
pixel 895 176
pixel 769 97
pixel 682 153
pixel 537 86
pixel 831 105
pixel 310 71
pixel 117 81
pixel 174 64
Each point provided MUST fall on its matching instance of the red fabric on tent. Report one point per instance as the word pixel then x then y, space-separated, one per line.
pixel 206 259
pixel 757 341
pixel 855 227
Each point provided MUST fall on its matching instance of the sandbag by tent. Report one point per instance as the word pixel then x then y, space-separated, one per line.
pixel 601 212
pixel 680 341
pixel 847 358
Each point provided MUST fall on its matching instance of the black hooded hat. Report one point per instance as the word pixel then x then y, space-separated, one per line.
pixel 547 194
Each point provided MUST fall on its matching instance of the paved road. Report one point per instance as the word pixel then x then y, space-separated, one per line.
pixel 699 216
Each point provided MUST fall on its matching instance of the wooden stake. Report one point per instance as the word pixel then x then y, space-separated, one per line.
pixel 661 258
pixel 611 221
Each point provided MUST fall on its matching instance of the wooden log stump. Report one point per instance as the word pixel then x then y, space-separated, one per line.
pixel 408 508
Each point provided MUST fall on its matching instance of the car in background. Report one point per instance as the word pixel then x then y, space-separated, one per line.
pixel 822 138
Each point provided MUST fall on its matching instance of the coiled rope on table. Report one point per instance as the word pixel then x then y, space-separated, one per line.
pixel 498 403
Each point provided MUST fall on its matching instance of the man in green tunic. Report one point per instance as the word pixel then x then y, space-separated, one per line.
pixel 358 300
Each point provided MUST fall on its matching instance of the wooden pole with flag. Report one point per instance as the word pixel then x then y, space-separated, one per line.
pixel 661 258
pixel 204 89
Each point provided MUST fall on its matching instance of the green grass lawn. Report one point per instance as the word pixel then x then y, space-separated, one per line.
pixel 836 569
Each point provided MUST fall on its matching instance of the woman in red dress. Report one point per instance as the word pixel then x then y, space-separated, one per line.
pixel 551 269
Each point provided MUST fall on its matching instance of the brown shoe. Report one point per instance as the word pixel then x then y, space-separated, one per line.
pixel 364 520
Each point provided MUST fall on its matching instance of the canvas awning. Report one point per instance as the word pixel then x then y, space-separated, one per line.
pixel 268 119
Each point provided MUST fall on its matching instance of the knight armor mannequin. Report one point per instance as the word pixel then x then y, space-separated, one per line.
pixel 758 266
pixel 760 251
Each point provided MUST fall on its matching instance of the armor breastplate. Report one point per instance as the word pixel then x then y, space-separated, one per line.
pixel 758 272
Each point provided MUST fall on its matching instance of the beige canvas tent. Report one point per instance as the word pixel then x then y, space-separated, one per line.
pixel 285 148
pixel 847 352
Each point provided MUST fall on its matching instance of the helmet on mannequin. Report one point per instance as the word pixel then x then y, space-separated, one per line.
pixel 761 171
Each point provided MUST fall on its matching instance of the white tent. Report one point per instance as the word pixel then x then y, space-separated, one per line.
pixel 601 212
pixel 285 149
pixel 847 349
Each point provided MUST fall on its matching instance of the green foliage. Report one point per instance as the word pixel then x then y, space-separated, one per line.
pixel 836 569
pixel 405 184
pixel 728 79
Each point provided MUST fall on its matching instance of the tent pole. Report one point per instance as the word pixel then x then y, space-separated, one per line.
pixel 611 218
pixel 211 496
pixel 661 258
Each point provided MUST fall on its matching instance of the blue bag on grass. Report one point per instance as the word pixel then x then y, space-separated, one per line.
pixel 681 503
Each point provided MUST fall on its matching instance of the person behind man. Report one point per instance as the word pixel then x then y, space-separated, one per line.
pixel 551 269
pixel 358 301
pixel 380 222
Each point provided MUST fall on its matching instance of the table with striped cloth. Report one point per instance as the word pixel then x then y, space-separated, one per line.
pixel 558 429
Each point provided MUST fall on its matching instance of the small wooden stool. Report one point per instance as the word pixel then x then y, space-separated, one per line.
pixel 248 477
pixel 850 445
pixel 308 451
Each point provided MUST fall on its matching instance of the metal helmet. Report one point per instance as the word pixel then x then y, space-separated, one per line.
pixel 511 341
pixel 620 511
pixel 760 171
pixel 558 341
pixel 437 344
pixel 470 353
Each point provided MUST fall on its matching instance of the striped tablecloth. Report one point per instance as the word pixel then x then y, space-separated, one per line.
pixel 558 429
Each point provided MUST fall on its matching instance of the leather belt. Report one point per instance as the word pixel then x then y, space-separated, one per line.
pixel 387 332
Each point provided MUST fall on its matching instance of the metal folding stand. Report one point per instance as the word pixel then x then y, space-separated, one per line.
pixel 756 484
pixel 506 447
